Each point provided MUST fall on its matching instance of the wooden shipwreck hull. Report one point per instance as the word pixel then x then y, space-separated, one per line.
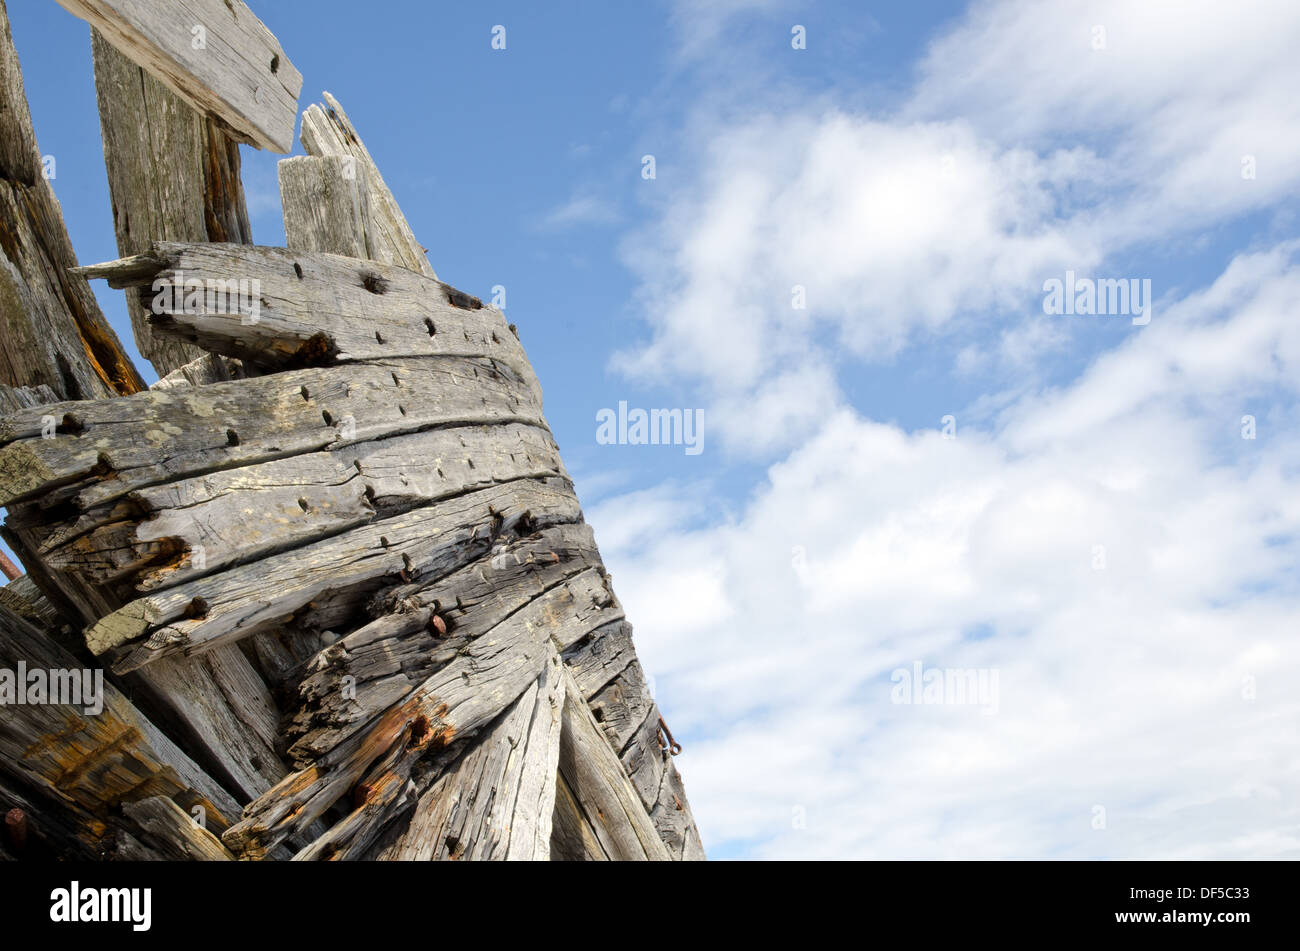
pixel 330 568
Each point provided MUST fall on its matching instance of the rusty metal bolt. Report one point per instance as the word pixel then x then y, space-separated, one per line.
pixel 16 828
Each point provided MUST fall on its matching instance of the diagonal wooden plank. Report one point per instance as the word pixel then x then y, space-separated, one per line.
pixel 280 308
pixel 231 605
pixel 51 328
pixel 173 175
pixel 494 802
pixel 455 702
pixel 100 451
pixel 328 132
pixel 214 54
pixel 601 788
pixel 97 760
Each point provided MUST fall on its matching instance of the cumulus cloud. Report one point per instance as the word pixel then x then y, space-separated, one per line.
pixel 1106 541
pixel 1128 573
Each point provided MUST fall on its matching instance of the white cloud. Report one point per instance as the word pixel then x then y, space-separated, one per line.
pixel 583 208
pixel 773 632
pixel 773 635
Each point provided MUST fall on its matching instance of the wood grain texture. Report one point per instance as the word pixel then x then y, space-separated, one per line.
pixel 173 175
pixel 225 607
pixel 496 800
pixel 311 308
pixel 328 132
pixel 99 760
pixel 459 699
pixel 326 204
pixel 52 332
pixel 595 777
pixel 214 54
pixel 100 451
pixel 194 526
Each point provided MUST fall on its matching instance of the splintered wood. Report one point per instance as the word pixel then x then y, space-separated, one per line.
pixel 338 555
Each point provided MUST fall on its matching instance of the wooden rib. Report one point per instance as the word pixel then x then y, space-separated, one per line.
pixel 173 175
pixel 326 205
pixel 225 607
pixel 240 75
pixel 327 132
pixel 97 761
pixel 103 450
pixel 310 308
pixel 53 330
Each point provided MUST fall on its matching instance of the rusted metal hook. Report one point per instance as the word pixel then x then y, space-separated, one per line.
pixel 666 741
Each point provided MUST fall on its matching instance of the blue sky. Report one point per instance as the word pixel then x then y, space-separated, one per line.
pixel 1098 531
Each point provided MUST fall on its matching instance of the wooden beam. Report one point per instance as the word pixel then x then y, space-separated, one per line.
pixel 494 803
pixel 189 432
pixel 173 175
pixel 327 132
pixel 225 607
pixel 457 700
pixel 279 308
pixel 326 204
pixel 601 788
pixel 97 761
pixel 52 332
pixel 214 54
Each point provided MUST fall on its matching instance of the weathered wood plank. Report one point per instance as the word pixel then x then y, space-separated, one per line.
pixel 214 54
pixel 172 177
pixel 379 664
pixel 280 308
pixel 52 332
pixel 202 524
pixel 222 608
pixel 608 674
pixel 225 709
pixel 327 132
pixel 208 368
pixel 103 450
pixel 95 760
pixel 456 701
pixel 572 837
pixel 602 790
pixel 173 833
pixel 495 802
pixel 326 205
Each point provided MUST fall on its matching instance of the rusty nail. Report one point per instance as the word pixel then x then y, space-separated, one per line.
pixel 16 828
pixel 439 625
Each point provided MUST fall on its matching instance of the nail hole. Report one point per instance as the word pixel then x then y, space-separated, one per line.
pixel 297 269
pixel 275 64
pixel 232 438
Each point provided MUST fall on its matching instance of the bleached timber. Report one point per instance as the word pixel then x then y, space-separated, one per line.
pixel 338 556
pixel 215 54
